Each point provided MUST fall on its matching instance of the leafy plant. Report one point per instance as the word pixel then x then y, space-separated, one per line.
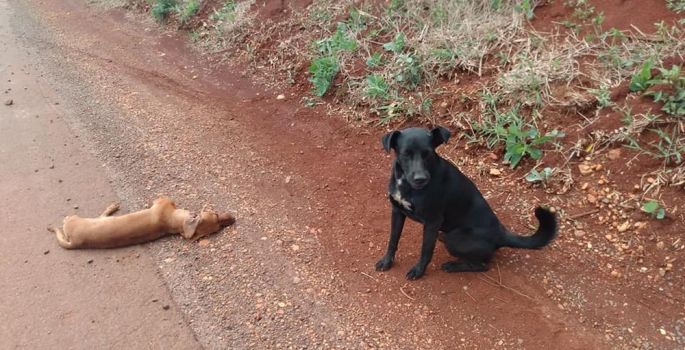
pixel 189 10
pixel 522 142
pixel 641 80
pixel 339 41
pixel 603 96
pixel 677 6
pixel 374 60
pixel 526 7
pixel 377 87
pixel 409 73
pixel 162 8
pixel 226 13
pixel 654 209
pixel 397 44
pixel 323 70
pixel 540 176
pixel 674 101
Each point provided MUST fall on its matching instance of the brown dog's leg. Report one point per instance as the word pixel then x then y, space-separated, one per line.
pixel 110 210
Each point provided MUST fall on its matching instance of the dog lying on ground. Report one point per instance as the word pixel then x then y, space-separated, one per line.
pixel 161 219
pixel 429 189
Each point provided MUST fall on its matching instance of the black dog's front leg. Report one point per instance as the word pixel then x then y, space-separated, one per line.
pixel 430 235
pixel 396 226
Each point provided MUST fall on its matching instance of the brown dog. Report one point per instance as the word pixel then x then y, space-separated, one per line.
pixel 161 219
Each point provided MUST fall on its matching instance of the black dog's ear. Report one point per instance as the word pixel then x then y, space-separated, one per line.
pixel 389 140
pixel 440 135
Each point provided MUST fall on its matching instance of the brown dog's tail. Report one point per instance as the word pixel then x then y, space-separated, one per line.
pixel 62 239
pixel 542 237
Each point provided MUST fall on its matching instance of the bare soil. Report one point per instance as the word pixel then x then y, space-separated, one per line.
pixel 309 192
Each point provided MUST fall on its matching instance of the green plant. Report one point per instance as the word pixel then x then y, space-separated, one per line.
pixel 603 96
pixel 654 209
pixel 674 100
pixel 521 142
pixel 189 10
pixel 677 6
pixel 642 79
pixel 397 44
pixel 323 70
pixel 540 176
pixel 339 41
pixel 162 8
pixel 409 73
pixel 377 87
pixel 374 60
pixel 226 13
pixel 526 7
pixel 670 147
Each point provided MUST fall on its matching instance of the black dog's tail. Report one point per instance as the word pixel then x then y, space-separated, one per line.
pixel 545 233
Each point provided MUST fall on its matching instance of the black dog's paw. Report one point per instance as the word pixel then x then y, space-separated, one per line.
pixel 415 273
pixel 384 264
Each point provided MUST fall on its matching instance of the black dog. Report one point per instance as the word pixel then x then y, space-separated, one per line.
pixel 432 191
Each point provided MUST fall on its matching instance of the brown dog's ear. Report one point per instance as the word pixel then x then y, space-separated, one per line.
pixel 389 140
pixel 439 136
pixel 190 225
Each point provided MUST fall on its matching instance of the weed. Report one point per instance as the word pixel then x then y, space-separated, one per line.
pixel 226 13
pixel 677 6
pixel 323 70
pixel 521 142
pixel 377 87
pixel 526 7
pixel 409 73
pixel 674 100
pixel 339 41
pixel 397 44
pixel 540 176
pixel 162 8
pixel 189 10
pixel 654 209
pixel 603 96
pixel 642 79
pixel 375 60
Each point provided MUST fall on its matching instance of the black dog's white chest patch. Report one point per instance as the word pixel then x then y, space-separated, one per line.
pixel 396 195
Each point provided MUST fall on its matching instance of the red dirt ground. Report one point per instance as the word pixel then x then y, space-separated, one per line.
pixel 564 296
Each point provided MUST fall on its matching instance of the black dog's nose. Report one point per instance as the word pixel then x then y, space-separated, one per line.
pixel 420 179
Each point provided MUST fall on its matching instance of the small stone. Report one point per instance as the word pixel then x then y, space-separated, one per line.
pixel 9 102
pixel 203 242
pixel 614 154
pixel 287 179
pixel 76 207
pixel 166 307
pixel 296 280
pixel 660 245
pixel 623 227
pixel 614 273
pixel 585 168
pixel 90 261
pixel 295 247
pixel 591 199
pixel 584 186
pixel 495 172
pixel 579 233
pixel 280 97
pixel 46 252
pixel 281 304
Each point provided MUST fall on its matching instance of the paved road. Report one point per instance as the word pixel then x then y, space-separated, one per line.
pixel 50 297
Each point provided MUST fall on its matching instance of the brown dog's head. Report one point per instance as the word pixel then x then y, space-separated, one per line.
pixel 208 222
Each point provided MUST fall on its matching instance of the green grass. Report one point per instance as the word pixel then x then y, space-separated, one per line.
pixel 162 8
pixel 323 70
pixel 189 10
